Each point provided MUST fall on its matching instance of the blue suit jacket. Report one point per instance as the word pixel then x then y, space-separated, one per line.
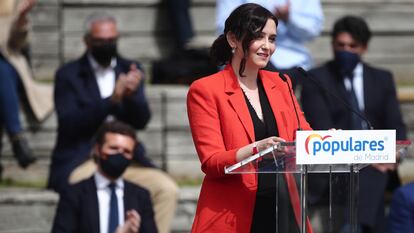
pixel 401 219
pixel 323 111
pixel 78 208
pixel 80 112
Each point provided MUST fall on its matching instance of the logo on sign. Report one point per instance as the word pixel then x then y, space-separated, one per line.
pixel 316 143
pixel 345 146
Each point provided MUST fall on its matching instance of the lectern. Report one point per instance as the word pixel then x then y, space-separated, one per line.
pixel 339 212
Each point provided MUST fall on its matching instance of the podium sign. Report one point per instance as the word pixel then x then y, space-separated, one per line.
pixel 331 192
pixel 345 146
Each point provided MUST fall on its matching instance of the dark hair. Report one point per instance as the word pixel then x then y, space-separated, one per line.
pixel 114 127
pixel 353 25
pixel 246 22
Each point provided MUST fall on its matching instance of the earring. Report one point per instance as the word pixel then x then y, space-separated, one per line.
pixel 233 50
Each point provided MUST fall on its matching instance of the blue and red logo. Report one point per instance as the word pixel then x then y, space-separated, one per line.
pixel 318 143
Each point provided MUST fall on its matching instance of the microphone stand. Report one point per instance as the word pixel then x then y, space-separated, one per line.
pixel 304 173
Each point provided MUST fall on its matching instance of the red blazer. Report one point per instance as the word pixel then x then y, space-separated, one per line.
pixel 221 124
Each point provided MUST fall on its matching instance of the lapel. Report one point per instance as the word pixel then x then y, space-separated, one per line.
pixel 93 206
pixel 273 85
pixel 88 79
pixel 237 101
pixel 337 82
pixel 121 67
pixel 368 83
pixel 128 204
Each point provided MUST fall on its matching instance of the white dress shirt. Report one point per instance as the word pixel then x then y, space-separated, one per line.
pixel 358 85
pixel 105 76
pixel 104 196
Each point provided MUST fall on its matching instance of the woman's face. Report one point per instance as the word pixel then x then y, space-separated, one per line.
pixel 262 48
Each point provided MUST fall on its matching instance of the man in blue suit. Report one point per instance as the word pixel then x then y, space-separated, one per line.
pixel 367 89
pixel 401 219
pixel 98 87
pixel 105 202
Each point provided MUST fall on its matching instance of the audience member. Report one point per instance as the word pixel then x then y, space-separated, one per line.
pixel 300 21
pixel 105 202
pixel 189 59
pixel 401 218
pixel 100 86
pixel 182 28
pixel 16 83
pixel 368 90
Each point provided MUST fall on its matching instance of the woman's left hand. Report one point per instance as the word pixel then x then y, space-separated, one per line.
pixel 268 142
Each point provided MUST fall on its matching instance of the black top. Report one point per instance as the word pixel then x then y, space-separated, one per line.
pixel 264 214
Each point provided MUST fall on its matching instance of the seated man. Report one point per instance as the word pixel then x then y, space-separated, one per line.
pixel 16 83
pixel 105 202
pixel 98 87
pixel 401 219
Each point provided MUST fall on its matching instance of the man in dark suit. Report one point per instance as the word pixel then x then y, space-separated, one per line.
pixel 401 218
pixel 368 90
pixel 105 202
pixel 98 87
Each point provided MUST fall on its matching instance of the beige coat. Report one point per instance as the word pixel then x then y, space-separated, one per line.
pixel 12 40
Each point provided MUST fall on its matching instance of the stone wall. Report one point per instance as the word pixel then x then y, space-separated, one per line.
pixel 167 138
pixel 393 33
pixel 30 210
pixel 146 33
pixel 146 36
pixel 145 30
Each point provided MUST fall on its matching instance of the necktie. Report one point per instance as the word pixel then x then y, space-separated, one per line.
pixel 113 209
pixel 354 121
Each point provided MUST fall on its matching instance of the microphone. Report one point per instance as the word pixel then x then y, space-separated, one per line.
pixel 343 102
pixel 283 77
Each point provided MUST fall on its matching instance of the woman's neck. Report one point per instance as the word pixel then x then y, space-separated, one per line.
pixel 249 78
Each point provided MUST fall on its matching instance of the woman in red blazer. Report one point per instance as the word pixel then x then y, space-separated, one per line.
pixel 234 113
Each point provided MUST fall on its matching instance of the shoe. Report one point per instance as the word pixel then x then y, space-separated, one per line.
pixel 22 151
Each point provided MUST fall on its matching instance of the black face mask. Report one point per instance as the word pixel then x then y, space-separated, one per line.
pixel 346 61
pixel 104 53
pixel 115 165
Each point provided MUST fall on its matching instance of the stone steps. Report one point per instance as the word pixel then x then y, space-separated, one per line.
pixel 35 208
pixel 167 138
pixel 144 25
pixel 31 210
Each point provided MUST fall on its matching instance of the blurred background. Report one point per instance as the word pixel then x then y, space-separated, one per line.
pixel 147 35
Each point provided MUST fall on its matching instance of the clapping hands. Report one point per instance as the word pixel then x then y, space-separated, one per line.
pixel 132 223
pixel 127 84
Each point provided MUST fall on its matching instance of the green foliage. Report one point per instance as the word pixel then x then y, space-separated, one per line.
pixel 9 182
pixel 188 181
